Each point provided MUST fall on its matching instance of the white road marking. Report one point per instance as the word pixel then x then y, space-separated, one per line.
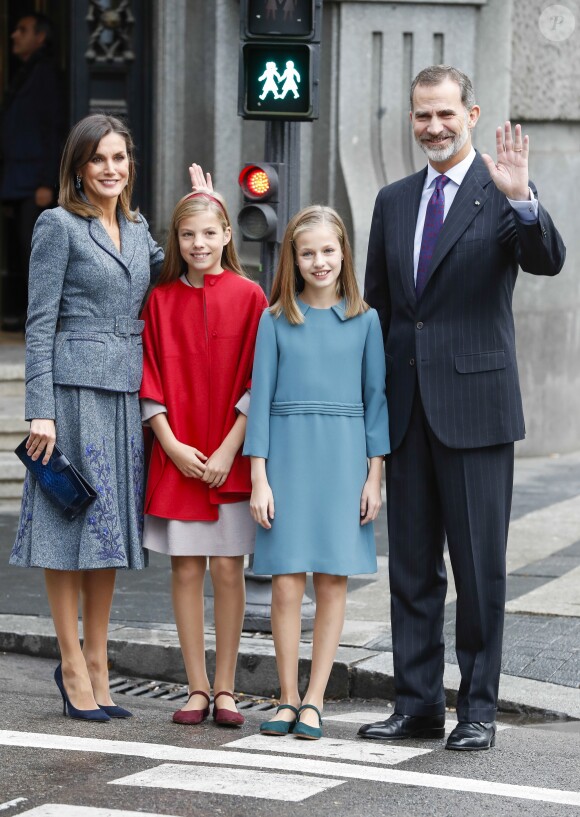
pixel 558 597
pixel 371 717
pixel 361 751
pixel 361 717
pixel 60 810
pixel 540 533
pixel 310 766
pixel 11 803
pixel 264 785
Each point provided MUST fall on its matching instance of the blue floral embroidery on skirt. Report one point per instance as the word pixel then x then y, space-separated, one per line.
pixel 138 459
pixel 25 518
pixel 103 519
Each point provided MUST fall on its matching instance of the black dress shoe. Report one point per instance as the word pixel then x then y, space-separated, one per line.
pixel 398 727
pixel 468 736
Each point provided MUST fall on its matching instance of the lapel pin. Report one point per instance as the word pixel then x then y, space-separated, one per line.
pixel 477 202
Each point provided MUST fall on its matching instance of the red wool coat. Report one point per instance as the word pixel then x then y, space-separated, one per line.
pixel 198 350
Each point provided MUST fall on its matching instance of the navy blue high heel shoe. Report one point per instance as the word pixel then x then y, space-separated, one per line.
pixel 73 712
pixel 116 711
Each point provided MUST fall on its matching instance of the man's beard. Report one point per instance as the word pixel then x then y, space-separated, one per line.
pixel 452 149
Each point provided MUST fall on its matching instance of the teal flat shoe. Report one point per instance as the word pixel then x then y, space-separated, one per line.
pixel 302 730
pixel 279 728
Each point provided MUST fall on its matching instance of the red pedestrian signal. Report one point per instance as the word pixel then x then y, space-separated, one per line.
pixel 263 217
pixel 255 182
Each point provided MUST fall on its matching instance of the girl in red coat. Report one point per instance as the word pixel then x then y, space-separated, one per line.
pixel 200 328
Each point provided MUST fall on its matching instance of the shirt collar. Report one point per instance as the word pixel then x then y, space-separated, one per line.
pixel 456 173
pixel 339 309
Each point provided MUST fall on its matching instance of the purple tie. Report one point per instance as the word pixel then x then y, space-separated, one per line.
pixel 433 224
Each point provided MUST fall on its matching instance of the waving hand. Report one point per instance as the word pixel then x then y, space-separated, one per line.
pixel 510 171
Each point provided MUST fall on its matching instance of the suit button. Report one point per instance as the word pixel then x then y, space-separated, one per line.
pixel 412 362
pixel 214 334
pixel 419 324
pixel 211 282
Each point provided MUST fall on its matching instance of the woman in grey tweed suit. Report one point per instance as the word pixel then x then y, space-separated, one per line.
pixel 89 271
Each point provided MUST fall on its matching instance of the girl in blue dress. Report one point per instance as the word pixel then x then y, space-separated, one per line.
pixel 317 434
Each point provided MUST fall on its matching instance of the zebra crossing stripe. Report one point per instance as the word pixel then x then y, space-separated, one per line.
pixel 309 766
pixel 60 810
pixel 360 717
pixel 372 717
pixel 331 749
pixel 11 803
pixel 264 785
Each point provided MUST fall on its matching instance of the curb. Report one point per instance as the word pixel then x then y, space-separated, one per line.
pixel 357 672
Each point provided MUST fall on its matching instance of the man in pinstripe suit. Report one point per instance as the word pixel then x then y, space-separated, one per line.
pixel 442 263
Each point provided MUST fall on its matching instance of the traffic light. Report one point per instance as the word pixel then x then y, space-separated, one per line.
pixel 279 59
pixel 263 216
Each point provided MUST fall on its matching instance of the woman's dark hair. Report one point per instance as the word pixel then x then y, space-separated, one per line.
pixel 81 145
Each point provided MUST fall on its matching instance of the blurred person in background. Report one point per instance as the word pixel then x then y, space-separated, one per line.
pixel 31 132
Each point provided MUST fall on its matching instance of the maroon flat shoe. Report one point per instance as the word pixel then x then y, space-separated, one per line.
pixel 191 717
pixel 225 717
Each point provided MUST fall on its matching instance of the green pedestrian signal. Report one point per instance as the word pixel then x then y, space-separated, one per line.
pixel 279 59
pixel 278 81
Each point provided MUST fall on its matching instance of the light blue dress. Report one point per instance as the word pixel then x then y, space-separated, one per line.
pixel 317 411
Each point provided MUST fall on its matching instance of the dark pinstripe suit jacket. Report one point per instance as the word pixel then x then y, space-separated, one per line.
pixel 457 342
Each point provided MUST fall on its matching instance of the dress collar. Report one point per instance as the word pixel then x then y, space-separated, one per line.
pixel 208 280
pixel 339 309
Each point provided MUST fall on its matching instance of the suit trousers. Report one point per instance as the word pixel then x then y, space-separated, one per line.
pixel 436 493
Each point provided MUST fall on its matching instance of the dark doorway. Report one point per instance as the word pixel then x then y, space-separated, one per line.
pixel 103 51
pixel 17 213
pixel 111 59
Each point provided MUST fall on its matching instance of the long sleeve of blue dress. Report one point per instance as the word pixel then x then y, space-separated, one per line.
pixel 373 385
pixel 264 378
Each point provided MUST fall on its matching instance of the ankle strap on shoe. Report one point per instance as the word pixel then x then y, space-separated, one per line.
pixel 310 706
pixel 287 706
pixel 223 692
pixel 199 692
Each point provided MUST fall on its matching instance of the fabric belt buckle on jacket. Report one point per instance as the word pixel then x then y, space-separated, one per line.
pixel 125 326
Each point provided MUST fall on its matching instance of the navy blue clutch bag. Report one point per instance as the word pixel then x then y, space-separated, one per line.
pixel 60 481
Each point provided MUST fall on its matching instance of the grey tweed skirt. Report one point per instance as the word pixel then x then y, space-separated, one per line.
pixel 100 432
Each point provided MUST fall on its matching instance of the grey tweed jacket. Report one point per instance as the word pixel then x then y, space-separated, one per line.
pixel 84 300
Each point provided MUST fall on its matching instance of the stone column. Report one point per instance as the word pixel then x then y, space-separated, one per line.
pixel 195 110
pixel 170 76
pixel 382 46
pixel 226 124
pixel 544 97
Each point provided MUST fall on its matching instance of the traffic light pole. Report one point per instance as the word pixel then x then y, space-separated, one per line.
pixel 282 145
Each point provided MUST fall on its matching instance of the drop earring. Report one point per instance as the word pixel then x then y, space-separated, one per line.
pixel 78 180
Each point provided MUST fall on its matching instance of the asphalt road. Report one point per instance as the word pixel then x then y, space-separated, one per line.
pixel 150 766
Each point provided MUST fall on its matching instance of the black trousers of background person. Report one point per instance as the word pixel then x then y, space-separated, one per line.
pixel 19 219
pixel 434 492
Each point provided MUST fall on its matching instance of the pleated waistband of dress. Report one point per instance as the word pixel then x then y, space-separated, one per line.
pixel 317 407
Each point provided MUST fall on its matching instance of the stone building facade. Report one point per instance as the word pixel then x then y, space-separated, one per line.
pixel 523 58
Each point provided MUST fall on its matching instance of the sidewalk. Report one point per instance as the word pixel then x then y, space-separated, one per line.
pixel 541 659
